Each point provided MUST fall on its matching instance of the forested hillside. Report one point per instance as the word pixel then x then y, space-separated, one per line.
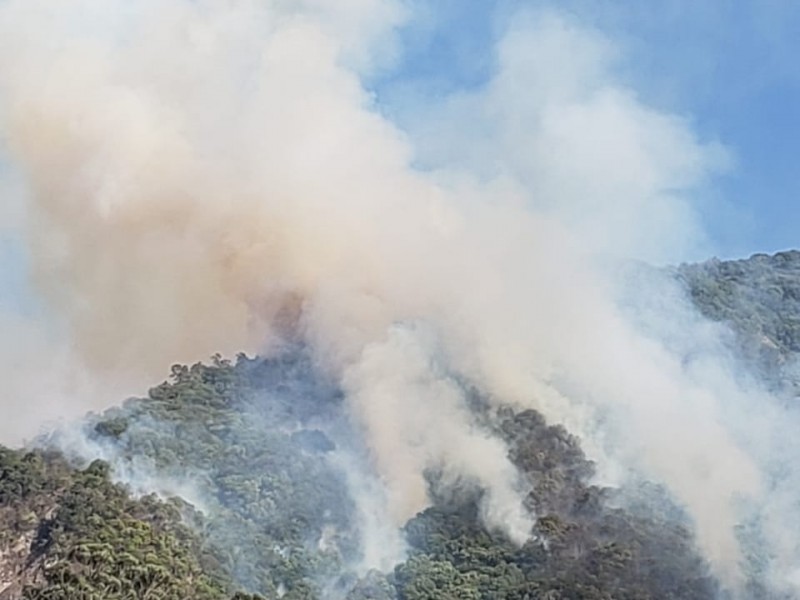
pixel 760 299
pixel 248 458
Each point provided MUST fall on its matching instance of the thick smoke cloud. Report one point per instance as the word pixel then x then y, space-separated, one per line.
pixel 214 177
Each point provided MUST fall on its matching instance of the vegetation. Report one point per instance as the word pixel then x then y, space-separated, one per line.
pixel 582 549
pixel 252 503
pixel 277 519
pixel 759 298
pixel 76 535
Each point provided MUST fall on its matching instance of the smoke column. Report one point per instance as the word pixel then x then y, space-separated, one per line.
pixel 213 176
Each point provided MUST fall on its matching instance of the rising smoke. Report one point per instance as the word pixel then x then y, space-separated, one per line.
pixel 214 176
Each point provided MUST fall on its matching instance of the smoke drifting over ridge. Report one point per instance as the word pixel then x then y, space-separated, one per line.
pixel 213 176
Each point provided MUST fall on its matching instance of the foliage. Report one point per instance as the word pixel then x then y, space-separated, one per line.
pixel 582 548
pixel 253 506
pixel 759 298
pixel 255 438
pixel 277 513
pixel 88 538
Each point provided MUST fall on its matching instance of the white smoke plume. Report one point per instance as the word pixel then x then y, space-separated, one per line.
pixel 416 419
pixel 212 176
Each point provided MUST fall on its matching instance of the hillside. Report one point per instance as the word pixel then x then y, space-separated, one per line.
pixel 760 299
pixel 250 458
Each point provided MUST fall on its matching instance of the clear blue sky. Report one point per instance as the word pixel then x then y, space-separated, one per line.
pixel 731 67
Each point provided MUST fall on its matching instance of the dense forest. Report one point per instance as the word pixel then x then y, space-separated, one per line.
pixel 253 503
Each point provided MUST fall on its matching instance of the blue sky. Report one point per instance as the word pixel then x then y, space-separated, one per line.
pixel 728 66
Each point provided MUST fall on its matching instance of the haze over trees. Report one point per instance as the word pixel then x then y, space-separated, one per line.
pixel 254 500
